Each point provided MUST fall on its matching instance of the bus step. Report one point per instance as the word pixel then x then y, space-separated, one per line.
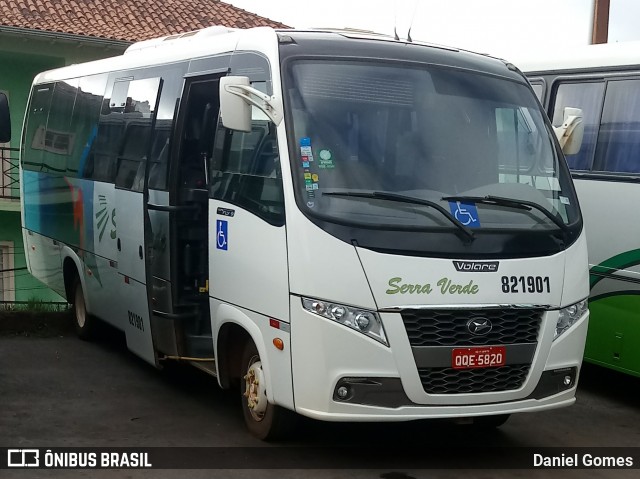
pixel 207 367
pixel 199 346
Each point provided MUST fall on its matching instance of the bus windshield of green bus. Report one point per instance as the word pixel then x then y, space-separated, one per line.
pixel 361 131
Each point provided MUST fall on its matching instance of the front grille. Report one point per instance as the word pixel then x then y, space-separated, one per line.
pixel 440 327
pixel 462 381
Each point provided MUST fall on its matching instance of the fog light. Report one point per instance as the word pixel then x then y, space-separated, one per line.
pixel 567 380
pixel 342 392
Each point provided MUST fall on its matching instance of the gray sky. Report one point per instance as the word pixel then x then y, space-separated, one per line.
pixel 498 27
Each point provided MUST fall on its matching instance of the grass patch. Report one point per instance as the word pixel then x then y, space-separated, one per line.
pixel 35 318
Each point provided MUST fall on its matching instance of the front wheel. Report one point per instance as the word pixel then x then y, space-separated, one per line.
pixel 84 322
pixel 264 419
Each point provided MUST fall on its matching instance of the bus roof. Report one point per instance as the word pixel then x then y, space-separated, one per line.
pixel 590 57
pixel 218 40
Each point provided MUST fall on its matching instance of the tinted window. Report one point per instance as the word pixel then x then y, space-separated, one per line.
pixel 101 160
pixel 57 140
pixel 619 138
pixel 246 170
pixel 138 114
pixel 588 97
pixel 84 121
pixel 172 81
pixel 36 127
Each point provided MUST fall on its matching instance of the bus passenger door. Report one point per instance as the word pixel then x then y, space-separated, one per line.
pixel 180 296
pixel 137 100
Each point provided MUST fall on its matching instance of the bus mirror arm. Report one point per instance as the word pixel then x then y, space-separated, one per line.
pixel 264 102
pixel 571 131
pixel 236 97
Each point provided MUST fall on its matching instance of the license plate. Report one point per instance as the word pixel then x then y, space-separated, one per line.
pixel 478 357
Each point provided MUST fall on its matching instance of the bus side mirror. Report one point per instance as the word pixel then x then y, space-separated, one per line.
pixel 236 98
pixel 5 119
pixel 571 131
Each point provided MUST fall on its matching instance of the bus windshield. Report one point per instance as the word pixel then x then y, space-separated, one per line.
pixel 361 131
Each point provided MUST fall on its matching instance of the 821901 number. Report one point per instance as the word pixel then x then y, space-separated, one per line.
pixel 526 284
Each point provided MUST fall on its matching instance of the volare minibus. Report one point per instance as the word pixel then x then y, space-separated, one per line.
pixel 351 227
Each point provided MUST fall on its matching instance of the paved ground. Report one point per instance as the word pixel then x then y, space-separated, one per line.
pixel 56 390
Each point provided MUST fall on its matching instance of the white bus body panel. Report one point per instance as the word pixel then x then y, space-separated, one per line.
pixel 133 304
pixel 276 364
pixel 249 268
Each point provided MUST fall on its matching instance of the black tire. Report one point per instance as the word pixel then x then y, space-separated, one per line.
pixel 266 421
pixel 490 422
pixel 85 323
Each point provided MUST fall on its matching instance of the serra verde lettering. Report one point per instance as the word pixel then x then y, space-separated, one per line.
pixel 443 285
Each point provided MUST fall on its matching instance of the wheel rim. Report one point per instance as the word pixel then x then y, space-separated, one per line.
pixel 81 310
pixel 255 391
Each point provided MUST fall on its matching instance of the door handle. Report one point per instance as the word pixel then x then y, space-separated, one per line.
pixel 119 245
pixel 140 251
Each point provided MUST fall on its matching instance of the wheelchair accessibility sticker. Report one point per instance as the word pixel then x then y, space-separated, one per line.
pixel 222 235
pixel 465 213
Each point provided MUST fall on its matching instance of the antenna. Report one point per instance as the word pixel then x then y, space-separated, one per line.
pixel 395 21
pixel 413 16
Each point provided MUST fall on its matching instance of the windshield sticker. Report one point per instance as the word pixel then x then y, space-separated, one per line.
pixel 564 200
pixel 444 286
pixel 305 141
pixel 305 164
pixel 314 177
pixel 326 160
pixel 465 213
pixel 310 204
pixel 315 186
pixel 307 175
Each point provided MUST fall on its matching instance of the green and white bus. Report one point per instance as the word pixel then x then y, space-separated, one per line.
pixel 351 227
pixel 603 81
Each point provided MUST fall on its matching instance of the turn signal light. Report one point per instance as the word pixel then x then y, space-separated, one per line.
pixel 278 343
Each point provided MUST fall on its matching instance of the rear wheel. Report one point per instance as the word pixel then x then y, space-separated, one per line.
pixel 264 419
pixel 84 322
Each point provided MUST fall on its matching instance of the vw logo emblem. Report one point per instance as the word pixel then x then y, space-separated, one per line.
pixel 479 326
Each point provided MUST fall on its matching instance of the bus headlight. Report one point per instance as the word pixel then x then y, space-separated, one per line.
pixel 362 320
pixel 568 316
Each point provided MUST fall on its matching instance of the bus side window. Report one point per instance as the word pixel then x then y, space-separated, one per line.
pixel 57 140
pixel 246 170
pixel 100 165
pixel 84 122
pixel 619 137
pixel 588 97
pixel 36 126
pixel 137 113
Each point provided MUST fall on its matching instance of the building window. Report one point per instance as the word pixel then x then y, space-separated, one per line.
pixel 59 142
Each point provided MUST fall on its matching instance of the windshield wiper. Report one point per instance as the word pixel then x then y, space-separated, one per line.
pixel 384 195
pixel 510 203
